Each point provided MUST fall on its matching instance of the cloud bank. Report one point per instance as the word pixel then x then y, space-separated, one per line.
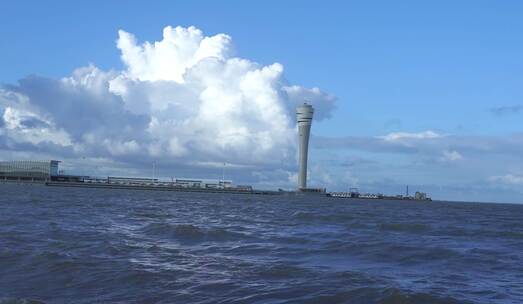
pixel 184 99
pixel 471 167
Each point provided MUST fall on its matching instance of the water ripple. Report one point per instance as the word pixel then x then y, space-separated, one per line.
pixel 112 246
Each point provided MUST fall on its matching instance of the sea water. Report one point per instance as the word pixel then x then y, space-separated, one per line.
pixel 62 245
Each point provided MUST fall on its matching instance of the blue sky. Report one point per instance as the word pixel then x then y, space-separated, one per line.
pixel 451 68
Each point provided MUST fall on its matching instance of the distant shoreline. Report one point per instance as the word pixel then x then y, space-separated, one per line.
pixel 189 189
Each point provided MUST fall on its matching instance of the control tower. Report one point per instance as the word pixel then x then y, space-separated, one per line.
pixel 304 115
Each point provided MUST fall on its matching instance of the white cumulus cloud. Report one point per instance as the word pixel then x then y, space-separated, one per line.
pixel 169 59
pixel 23 125
pixel 183 98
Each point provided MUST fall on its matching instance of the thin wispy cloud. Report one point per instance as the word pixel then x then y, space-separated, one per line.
pixel 506 110
pixel 510 179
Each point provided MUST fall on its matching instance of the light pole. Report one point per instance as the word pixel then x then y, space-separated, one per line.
pixel 223 176
pixel 154 165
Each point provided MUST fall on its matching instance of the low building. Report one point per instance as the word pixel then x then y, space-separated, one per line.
pixel 28 170
pixel 95 180
pixel 313 190
pixel 203 183
pixel 420 196
pixel 69 178
pixel 244 187
pixel 188 182
pixel 131 180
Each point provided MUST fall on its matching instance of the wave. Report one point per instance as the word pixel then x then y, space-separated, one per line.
pixel 405 227
pixel 20 301
pixel 395 296
pixel 480 232
pixel 427 255
pixel 282 271
pixel 374 295
pixel 386 252
pixel 190 232
pixel 331 218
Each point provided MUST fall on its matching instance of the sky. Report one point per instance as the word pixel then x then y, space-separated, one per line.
pixel 411 93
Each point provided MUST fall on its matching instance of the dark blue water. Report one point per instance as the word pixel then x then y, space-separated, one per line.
pixel 114 246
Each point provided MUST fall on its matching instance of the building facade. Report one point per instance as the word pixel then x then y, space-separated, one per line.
pixel 28 170
pixel 203 183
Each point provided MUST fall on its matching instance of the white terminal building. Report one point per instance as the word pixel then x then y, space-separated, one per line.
pixel 28 170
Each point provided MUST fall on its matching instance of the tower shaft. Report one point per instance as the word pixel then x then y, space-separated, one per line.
pixel 304 133
pixel 304 115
